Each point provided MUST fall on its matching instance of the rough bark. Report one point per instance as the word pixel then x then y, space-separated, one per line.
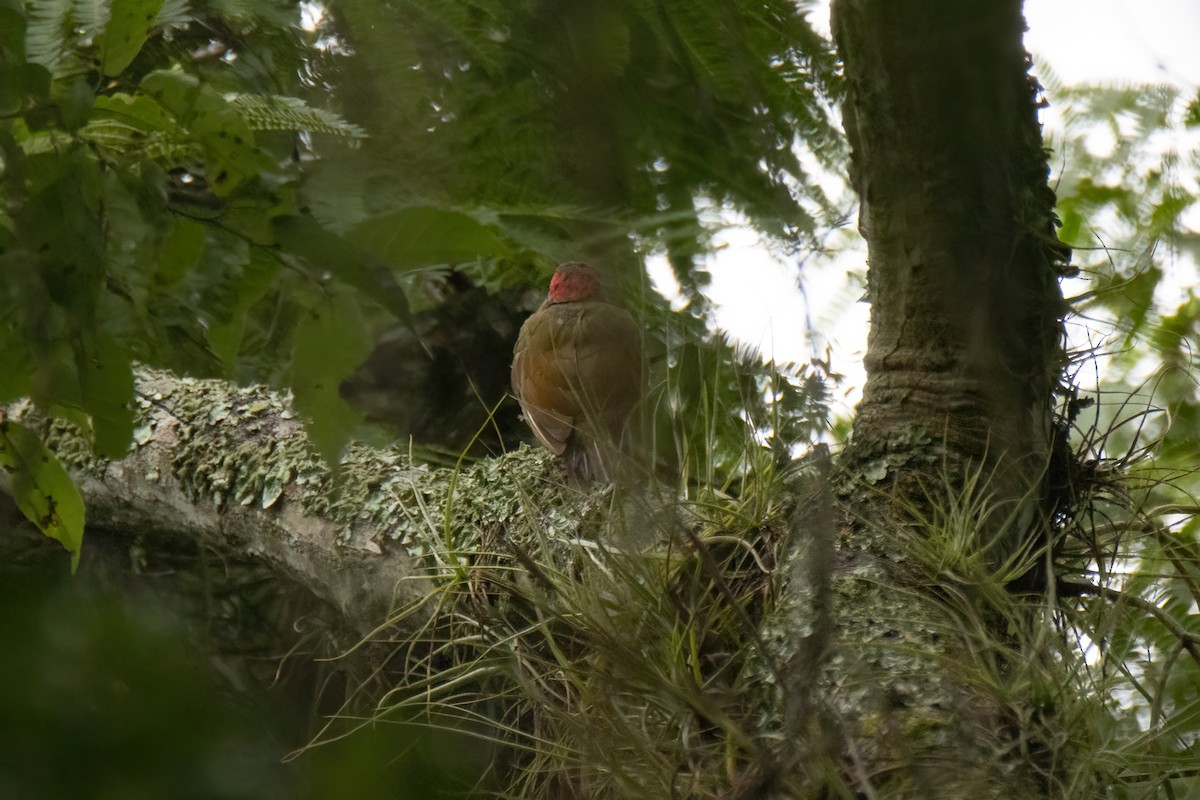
pixel 232 469
pixel 963 359
pixel 947 158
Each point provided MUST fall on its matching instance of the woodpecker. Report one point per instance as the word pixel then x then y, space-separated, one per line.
pixel 577 373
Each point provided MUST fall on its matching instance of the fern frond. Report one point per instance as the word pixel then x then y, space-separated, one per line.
pixel 49 23
pixel 280 113
pixel 58 31
pixel 91 16
pixel 174 15
pixel 120 138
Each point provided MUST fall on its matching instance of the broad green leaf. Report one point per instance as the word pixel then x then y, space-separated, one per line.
pixel 18 362
pixel 131 245
pixel 12 32
pixel 330 341
pixel 21 81
pixel 128 27
pixel 304 238
pixel 181 250
pixel 74 100
pixel 42 488
pixel 606 42
pixel 106 390
pixel 233 158
pixel 422 236
pixel 137 111
pixel 226 333
pixel 1071 223
pixel 12 99
pixel 61 223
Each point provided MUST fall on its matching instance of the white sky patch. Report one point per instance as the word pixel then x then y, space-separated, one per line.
pixel 662 279
pixel 1117 41
pixel 755 293
pixel 1100 142
pixel 818 17
pixel 311 15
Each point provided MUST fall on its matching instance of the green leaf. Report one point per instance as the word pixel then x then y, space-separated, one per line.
pixel 136 111
pixel 106 389
pixel 304 238
pixel 1191 116
pixel 18 361
pixel 12 99
pixel 45 39
pixel 74 100
pixel 42 488
pixel 181 250
pixel 233 158
pixel 421 236
pixel 605 39
pixel 1071 223
pixel 20 81
pixel 126 32
pixel 330 341
pixel 253 280
pixel 61 224
pixel 283 113
pixel 12 32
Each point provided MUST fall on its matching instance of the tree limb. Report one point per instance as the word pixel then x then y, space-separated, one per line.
pixel 233 469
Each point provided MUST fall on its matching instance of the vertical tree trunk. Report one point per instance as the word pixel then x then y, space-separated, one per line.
pixel 963 358
pixel 965 342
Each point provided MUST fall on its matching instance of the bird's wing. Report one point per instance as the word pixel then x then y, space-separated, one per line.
pixel 577 365
pixel 609 362
pixel 542 375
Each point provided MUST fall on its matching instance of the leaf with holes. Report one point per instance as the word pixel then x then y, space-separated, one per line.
pixel 329 342
pixel 42 488
pixel 106 387
pixel 126 32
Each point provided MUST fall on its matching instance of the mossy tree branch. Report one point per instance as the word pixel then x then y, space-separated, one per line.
pixel 233 469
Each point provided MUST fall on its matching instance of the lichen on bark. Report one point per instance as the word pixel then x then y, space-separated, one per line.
pixel 963 358
pixel 233 467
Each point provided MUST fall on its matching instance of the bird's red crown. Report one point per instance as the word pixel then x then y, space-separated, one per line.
pixel 574 281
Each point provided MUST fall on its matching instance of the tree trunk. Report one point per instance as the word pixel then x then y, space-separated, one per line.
pixel 963 358
pixel 965 345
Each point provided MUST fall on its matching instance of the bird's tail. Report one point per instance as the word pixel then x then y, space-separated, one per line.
pixel 587 463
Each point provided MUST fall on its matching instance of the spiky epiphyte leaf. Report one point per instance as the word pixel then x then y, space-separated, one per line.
pixel 1125 197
